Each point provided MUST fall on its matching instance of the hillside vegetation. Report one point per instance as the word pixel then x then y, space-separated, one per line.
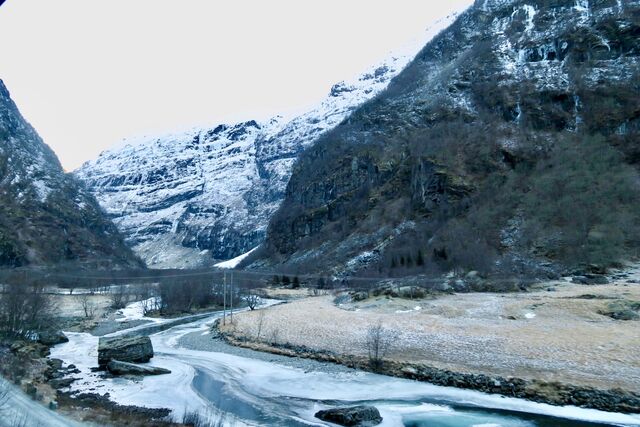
pixel 508 146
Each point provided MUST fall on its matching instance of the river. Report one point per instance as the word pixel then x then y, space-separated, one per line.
pixel 256 391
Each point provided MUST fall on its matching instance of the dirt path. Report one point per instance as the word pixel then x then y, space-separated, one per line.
pixel 548 335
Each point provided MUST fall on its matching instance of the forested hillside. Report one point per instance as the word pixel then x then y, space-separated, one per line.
pixel 509 146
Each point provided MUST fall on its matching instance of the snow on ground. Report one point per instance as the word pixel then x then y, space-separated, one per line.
pixel 233 263
pixel 277 393
pixel 185 199
pixel 136 311
pixel 18 409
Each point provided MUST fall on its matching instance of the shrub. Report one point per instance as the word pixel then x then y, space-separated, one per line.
pixel 378 344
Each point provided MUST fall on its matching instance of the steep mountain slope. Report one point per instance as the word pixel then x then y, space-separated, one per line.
pixel 45 215
pixel 507 146
pixel 188 199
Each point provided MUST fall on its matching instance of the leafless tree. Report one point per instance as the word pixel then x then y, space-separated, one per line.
pixel 87 304
pixel 378 344
pixel 274 336
pixel 151 305
pixel 25 310
pixel 253 300
pixel 118 297
pixel 261 317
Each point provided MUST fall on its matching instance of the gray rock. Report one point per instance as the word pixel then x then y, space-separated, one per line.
pixel 597 279
pixel 55 364
pixel 590 279
pixel 359 296
pixel 359 416
pixel 136 349
pixel 61 382
pixel 117 367
pixel 51 338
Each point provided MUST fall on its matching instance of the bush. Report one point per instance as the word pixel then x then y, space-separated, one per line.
pixel 25 310
pixel 378 344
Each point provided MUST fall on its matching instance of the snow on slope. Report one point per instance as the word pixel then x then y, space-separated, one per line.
pixel 192 198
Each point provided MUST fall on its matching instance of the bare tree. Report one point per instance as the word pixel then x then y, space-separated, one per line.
pixel 274 336
pixel 151 305
pixel 87 304
pixel 252 300
pixel 261 317
pixel 118 297
pixel 378 344
pixel 25 310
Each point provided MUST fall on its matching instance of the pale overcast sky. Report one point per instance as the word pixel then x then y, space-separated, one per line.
pixel 88 73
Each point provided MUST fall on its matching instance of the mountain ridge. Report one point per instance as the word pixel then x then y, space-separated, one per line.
pixel 173 219
pixel 46 216
pixel 416 173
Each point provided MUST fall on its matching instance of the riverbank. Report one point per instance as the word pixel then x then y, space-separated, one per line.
pixel 245 387
pixel 552 345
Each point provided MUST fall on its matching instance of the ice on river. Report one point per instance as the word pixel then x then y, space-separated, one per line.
pixel 260 392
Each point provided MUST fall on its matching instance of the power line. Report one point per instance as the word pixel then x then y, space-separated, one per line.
pixel 262 274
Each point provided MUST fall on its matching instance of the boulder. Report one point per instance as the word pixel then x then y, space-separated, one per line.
pixel 359 296
pixel 590 279
pixel 136 349
pixel 32 350
pixel 357 416
pixel 117 367
pixel 61 383
pixel 51 338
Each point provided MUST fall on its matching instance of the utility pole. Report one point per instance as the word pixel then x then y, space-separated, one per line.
pixel 224 299
pixel 231 295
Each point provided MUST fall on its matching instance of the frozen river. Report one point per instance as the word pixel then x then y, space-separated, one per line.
pixel 253 391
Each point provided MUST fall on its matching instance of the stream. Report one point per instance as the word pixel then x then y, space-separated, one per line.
pixel 243 391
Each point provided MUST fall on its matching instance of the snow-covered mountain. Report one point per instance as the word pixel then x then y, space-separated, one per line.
pixel 478 154
pixel 191 198
pixel 46 217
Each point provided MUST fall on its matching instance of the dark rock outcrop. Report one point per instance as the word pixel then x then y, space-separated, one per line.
pixel 46 216
pixel 449 159
pixel 50 338
pixel 356 416
pixel 590 279
pixel 188 199
pixel 117 367
pixel 137 349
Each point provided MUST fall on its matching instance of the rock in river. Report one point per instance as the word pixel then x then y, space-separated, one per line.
pixel 357 416
pixel 136 349
pixel 50 338
pixel 117 367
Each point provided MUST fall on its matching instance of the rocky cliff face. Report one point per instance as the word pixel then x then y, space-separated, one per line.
pixel 46 216
pixel 453 166
pixel 189 199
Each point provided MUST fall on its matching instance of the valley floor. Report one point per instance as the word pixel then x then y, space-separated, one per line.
pixel 553 333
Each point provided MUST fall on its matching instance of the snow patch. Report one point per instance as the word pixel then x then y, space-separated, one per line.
pixel 233 263
pixel 531 14
pixel 216 187
pixel 136 310
pixel 42 190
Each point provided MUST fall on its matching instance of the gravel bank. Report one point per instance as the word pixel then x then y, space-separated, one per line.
pixel 211 343
pixel 556 335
